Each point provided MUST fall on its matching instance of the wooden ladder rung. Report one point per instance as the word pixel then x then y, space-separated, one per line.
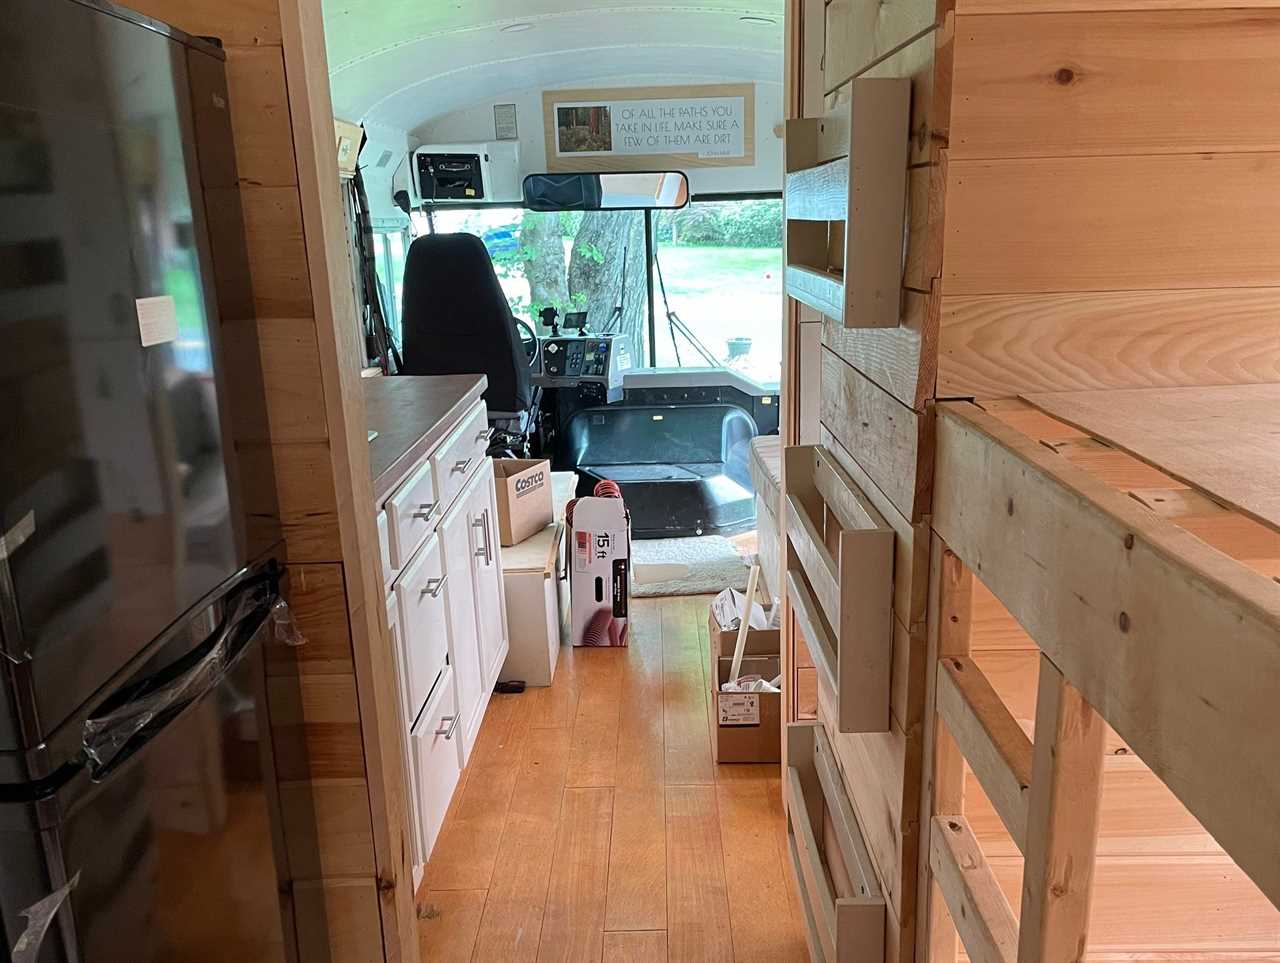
pixel 982 915
pixel 990 739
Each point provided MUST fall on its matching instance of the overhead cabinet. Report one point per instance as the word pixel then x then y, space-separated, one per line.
pixel 846 205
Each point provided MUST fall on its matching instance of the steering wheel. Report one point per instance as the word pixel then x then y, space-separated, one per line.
pixel 529 340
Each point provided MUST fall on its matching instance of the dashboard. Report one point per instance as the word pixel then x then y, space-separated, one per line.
pixel 574 361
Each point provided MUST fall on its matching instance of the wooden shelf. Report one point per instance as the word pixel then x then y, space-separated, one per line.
pixel 844 907
pixel 846 213
pixel 840 584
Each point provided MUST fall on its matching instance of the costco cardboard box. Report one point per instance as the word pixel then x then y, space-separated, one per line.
pixel 524 498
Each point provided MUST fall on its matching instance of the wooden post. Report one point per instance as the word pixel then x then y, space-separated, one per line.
pixel 1062 823
pixel 950 624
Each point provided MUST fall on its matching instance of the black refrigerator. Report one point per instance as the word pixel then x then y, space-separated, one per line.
pixel 139 579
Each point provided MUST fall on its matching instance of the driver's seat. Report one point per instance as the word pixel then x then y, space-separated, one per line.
pixel 456 321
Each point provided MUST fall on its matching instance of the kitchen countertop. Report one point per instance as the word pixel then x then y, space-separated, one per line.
pixel 412 414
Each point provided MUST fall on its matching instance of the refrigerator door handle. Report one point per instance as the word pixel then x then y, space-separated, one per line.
pixel 131 718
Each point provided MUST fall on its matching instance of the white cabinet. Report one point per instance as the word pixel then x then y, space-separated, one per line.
pixel 486 563
pixel 447 613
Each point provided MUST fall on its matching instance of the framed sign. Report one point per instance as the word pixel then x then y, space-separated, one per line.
pixel 650 128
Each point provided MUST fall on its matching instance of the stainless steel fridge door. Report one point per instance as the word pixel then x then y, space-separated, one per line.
pixel 114 489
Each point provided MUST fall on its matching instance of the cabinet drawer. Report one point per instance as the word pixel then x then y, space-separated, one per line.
pixel 384 549
pixel 844 907
pixel 459 454
pixel 421 595
pixel 412 513
pixel 438 767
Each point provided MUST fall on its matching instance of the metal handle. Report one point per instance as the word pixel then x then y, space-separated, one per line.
pixel 482 523
pixel 462 465
pixel 485 435
pixel 435 589
pixel 447 731
pixel 426 510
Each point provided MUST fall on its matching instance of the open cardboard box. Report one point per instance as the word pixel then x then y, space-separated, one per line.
pixel 523 487
pixel 745 726
pixel 759 641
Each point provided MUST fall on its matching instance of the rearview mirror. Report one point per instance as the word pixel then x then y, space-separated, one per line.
pixel 654 190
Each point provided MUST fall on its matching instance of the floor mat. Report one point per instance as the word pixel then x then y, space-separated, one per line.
pixel 685 566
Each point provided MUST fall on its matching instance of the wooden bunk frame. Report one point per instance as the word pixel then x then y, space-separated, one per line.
pixel 1156 611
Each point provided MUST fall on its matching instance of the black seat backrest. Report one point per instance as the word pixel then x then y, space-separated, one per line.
pixel 456 319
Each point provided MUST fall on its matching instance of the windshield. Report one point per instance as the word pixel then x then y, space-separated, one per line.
pixel 718 262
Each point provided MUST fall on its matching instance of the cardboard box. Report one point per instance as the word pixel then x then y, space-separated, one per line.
pixel 599 550
pixel 524 498
pixel 745 726
pixel 759 641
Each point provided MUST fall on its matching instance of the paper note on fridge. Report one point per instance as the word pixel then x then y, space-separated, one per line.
pixel 157 320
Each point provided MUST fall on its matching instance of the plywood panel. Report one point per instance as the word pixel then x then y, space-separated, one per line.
pixel 880 432
pixel 277 258
pixel 1112 223
pixel 286 350
pixel 1223 440
pixel 318 602
pixel 1115 83
pixel 899 359
pixel 315 727
pixel 326 827
pixel 259 105
pixel 338 920
pixel 246 22
pixel 304 493
pixel 860 32
pixel 1003 345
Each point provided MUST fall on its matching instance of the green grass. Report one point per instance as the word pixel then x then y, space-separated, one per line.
pixel 702 269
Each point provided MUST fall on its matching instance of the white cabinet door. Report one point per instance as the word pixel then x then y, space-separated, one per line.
pixel 460 602
pixel 437 760
pixel 487 562
pixel 419 857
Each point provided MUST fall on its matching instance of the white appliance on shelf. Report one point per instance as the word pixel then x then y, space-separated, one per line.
pixel 465 173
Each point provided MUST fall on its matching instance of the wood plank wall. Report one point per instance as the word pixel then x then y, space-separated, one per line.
pixel 347 877
pixel 874 389
pixel 1111 213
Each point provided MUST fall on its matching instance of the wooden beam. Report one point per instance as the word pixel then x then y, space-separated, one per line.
pixel 950 628
pixel 1062 825
pixel 1135 612
pixel 1068 224
pixel 978 906
pixel 990 738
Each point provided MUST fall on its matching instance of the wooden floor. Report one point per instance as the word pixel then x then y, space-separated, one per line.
pixel 591 823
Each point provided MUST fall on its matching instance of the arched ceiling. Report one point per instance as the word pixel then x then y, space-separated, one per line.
pixel 405 62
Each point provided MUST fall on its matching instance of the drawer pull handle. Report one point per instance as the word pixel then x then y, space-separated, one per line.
pixel 485 435
pixel 486 551
pixel 462 465
pixel 426 510
pixel 447 730
pixel 434 586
